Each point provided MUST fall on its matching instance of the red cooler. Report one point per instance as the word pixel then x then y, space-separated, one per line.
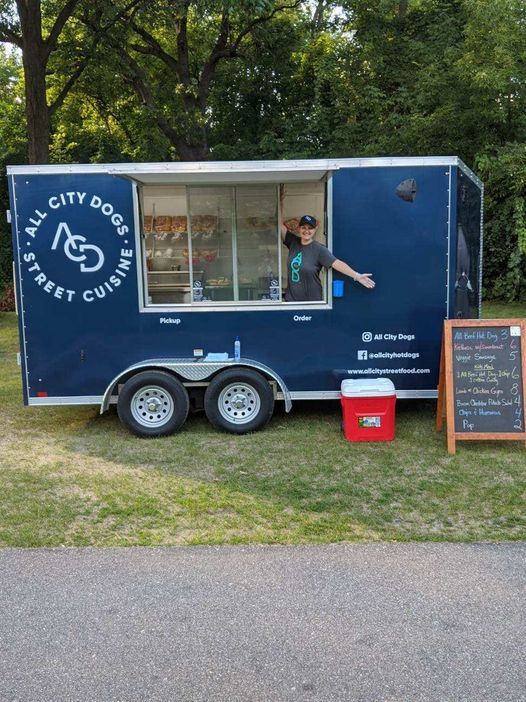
pixel 368 409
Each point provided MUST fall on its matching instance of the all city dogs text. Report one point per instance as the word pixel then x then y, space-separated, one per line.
pixel 367 336
pixel 368 355
pixel 89 257
pixel 399 336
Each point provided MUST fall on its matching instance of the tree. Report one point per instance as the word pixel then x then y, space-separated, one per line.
pixel 36 29
pixel 259 104
pixel 171 56
pixel 25 31
pixel 504 174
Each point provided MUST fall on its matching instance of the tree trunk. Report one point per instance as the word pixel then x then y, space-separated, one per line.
pixel 317 20
pixel 34 61
pixel 37 112
pixel 192 152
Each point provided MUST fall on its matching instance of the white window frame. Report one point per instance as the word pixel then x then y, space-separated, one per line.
pixel 232 306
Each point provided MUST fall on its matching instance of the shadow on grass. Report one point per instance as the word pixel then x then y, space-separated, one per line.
pixel 298 457
pixel 302 462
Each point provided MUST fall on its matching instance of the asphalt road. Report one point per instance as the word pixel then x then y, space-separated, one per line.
pixel 367 623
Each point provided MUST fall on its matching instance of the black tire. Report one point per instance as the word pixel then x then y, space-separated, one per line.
pixel 252 395
pixel 165 392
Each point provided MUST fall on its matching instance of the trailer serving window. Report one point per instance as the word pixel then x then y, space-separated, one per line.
pixel 210 245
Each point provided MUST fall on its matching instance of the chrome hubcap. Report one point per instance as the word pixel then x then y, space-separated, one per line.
pixel 152 406
pixel 239 403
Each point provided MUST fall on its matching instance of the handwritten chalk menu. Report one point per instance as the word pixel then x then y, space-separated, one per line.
pixel 482 385
pixel 487 379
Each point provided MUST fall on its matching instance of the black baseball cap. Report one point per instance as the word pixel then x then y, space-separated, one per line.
pixel 310 220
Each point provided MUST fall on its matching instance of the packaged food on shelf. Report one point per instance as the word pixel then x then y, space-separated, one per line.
pixel 219 282
pixel 204 224
pixel 163 224
pixel 148 224
pixel 179 224
pixel 209 255
pixel 195 256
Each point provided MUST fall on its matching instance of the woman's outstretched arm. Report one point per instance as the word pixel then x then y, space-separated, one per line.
pixel 362 278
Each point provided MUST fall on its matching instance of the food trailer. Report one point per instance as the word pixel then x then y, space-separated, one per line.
pixel 134 282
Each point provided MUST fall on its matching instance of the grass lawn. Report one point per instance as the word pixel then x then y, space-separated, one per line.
pixel 69 476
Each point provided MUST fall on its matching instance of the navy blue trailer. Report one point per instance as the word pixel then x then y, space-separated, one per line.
pixel 133 281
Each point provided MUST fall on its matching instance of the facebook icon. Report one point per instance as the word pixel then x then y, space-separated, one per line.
pixel 362 355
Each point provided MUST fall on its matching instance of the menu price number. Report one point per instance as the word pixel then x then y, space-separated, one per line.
pixel 518 414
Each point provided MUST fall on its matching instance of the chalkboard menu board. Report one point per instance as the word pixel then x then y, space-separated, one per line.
pixel 482 385
pixel 487 377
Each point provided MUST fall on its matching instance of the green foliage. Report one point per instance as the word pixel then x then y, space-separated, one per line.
pixel 353 78
pixel 12 150
pixel 259 106
pixel 12 129
pixel 505 231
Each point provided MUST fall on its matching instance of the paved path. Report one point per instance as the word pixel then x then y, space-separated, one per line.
pixel 368 623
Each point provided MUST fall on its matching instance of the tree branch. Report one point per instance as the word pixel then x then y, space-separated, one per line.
pixel 106 109
pixel 9 35
pixel 138 81
pixel 223 50
pixel 317 19
pixel 50 43
pixel 261 20
pixel 219 51
pixel 182 44
pixel 154 48
pixel 99 32
pixel 180 64
pixel 53 107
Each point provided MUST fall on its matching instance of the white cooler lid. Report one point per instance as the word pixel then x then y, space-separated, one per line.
pixel 367 387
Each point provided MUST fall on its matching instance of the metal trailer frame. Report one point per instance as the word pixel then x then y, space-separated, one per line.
pixel 220 173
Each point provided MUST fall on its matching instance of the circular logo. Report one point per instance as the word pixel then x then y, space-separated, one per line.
pixel 79 247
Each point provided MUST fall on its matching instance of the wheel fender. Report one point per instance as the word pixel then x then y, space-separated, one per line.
pixel 191 370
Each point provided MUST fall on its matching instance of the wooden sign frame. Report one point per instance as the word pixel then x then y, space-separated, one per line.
pixel 446 387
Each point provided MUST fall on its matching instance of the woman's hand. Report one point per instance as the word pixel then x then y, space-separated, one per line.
pixel 362 278
pixel 365 280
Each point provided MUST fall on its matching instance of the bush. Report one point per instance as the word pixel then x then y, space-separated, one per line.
pixel 504 175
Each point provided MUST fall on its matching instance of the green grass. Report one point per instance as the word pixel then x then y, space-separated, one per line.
pixel 496 310
pixel 69 476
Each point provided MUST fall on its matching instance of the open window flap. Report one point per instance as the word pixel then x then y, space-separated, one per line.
pixel 216 176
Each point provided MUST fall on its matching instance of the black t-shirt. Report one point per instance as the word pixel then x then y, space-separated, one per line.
pixel 304 264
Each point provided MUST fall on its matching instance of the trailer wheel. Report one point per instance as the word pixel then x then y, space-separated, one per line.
pixel 153 403
pixel 239 400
